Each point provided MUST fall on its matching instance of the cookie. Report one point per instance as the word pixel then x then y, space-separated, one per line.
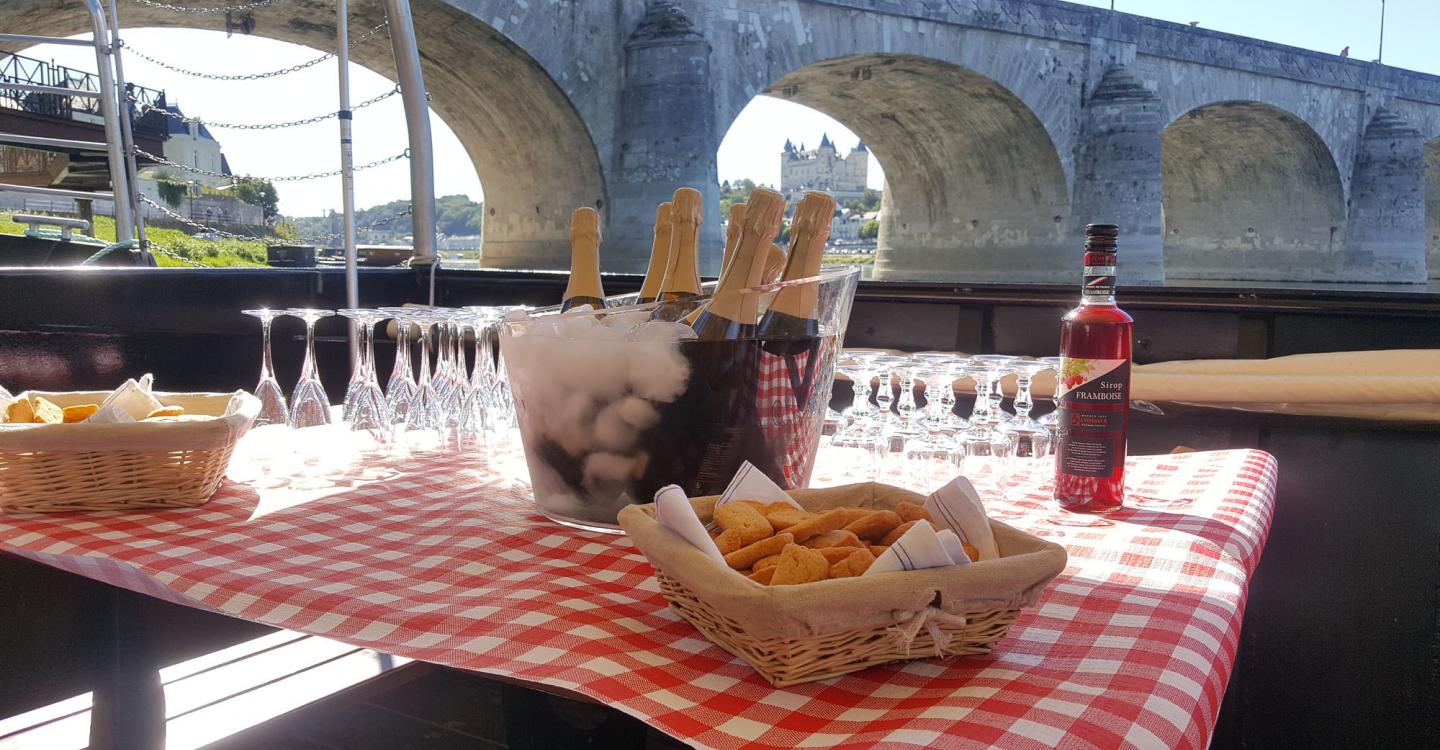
pixel 79 413
pixel 746 556
pixel 875 525
pixel 800 565
pixel 898 532
pixel 744 519
pixel 763 575
pixel 909 511
pixel 855 564
pixel 837 538
pixel 830 520
pixel 46 411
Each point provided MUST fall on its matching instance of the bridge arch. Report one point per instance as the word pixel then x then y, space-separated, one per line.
pixel 974 189
pixel 530 146
pixel 1249 191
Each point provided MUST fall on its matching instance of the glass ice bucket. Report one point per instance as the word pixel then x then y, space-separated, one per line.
pixel 617 403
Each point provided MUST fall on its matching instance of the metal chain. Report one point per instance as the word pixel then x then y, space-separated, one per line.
pixel 252 76
pixel 197 225
pixel 167 252
pixel 368 227
pixel 288 178
pixel 146 108
pixel 224 9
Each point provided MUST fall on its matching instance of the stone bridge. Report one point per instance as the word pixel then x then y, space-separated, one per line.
pixel 1003 126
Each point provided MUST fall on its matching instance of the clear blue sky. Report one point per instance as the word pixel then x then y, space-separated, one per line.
pixel 750 148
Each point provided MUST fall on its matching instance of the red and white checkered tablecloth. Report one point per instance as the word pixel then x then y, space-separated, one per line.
pixel 448 562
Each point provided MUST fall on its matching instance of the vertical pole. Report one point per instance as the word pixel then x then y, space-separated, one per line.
pixel 1380 56
pixel 347 171
pixel 120 188
pixel 417 121
pixel 127 134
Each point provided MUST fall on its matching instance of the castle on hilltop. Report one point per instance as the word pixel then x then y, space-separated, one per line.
pixel 823 169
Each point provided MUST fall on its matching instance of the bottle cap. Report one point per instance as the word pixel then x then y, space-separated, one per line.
pixel 1101 237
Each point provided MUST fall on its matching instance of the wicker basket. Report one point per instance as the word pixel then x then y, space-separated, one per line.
pixel 48 468
pixel 797 634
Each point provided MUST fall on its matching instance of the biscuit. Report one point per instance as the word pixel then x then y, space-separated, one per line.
pixel 767 562
pixel 79 413
pixel 837 538
pixel 763 575
pixel 784 518
pixel 909 511
pixel 830 520
pixel 746 556
pixel 728 541
pixel 854 514
pixel 745 520
pixel 877 549
pixel 836 554
pixel 855 564
pixel 756 504
pixel 800 565
pixel 897 532
pixel 166 411
pixel 19 411
pixel 46 411
pixel 875 525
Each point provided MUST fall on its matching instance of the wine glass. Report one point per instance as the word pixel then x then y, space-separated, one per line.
pixel 424 421
pixel 982 451
pixel 1052 418
pixel 273 409
pixel 364 409
pixel 309 404
pixel 1032 440
pixel 401 386
pixel 939 377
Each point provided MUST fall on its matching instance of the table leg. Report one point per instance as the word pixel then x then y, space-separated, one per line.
pixel 129 701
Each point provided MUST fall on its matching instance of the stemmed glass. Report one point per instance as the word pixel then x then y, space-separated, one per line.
pixel 401 386
pixel 981 450
pixel 1052 418
pixel 364 409
pixel 309 404
pixel 424 415
pixel 272 399
pixel 940 390
pixel 1032 439
pixel 859 431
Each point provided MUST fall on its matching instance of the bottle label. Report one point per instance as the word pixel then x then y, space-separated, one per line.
pixel 1099 281
pixel 1092 396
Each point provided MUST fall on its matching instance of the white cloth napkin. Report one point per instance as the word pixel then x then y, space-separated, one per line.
pixel 921 547
pixel 110 414
pixel 674 512
pixel 957 507
pixel 131 398
pixel 751 483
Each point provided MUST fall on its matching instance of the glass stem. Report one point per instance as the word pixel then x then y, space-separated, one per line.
pixel 981 413
pixel 1023 402
pixel 307 371
pixel 424 356
pixel 267 364
pixel 367 348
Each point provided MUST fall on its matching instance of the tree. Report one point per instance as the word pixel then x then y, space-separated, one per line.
pixel 258 192
pixel 869 230
pixel 870 201
pixel 734 192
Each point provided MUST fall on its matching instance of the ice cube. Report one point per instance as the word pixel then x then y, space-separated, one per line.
pixel 661 330
pixel 612 432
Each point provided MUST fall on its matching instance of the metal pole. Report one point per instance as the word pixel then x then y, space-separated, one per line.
pixel 417 121
pixel 347 172
pixel 1380 56
pixel 124 226
pixel 127 136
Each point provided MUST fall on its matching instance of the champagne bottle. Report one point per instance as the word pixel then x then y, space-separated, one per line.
pixel 732 234
pixel 682 270
pixel 733 313
pixel 659 255
pixel 774 264
pixel 584 287
pixel 793 312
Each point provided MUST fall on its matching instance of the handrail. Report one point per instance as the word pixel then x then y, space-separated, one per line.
pixel 37 39
pixel 55 90
pixel 50 192
pixel 55 144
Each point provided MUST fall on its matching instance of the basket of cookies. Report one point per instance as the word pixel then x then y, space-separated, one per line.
pixel 129 448
pixel 812 584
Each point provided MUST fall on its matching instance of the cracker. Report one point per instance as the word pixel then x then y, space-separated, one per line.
pixel 729 541
pixel 784 518
pixel 766 562
pixel 837 538
pixel 836 554
pixel 20 412
pixel 853 514
pixel 909 511
pixel 763 575
pixel 46 411
pixel 166 411
pixel 875 525
pixel 800 565
pixel 756 504
pixel 745 520
pixel 79 413
pixel 746 556
pixel 827 521
pixel 878 549
pixel 855 564
pixel 898 532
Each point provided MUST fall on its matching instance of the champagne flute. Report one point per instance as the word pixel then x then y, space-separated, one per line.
pixel 364 409
pixel 273 409
pixel 401 386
